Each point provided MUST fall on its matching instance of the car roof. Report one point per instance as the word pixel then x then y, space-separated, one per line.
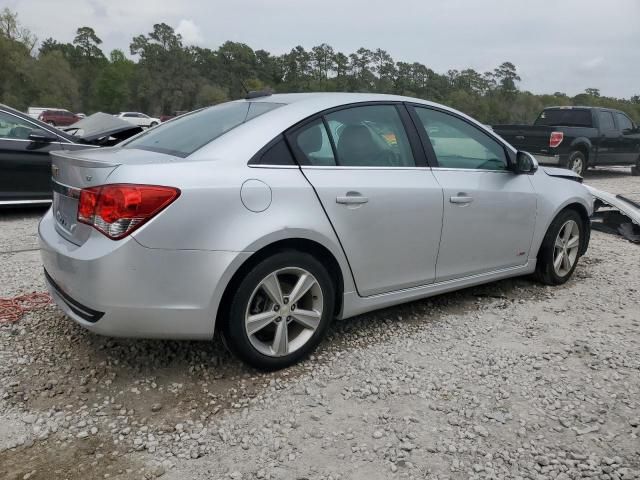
pixel 297 107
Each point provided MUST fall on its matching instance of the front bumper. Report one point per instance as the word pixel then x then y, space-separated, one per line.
pixel 547 159
pixel 121 288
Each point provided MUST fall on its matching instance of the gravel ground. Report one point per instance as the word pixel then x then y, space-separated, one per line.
pixel 507 380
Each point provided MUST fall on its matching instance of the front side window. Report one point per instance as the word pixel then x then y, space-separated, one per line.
pixel 13 128
pixel 370 136
pixel 458 144
pixel 186 134
pixel 623 122
pixel 606 120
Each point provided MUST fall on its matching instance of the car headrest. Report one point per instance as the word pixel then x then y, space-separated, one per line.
pixel 310 140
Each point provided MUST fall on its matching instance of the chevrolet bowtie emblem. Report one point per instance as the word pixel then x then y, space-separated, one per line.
pixel 55 170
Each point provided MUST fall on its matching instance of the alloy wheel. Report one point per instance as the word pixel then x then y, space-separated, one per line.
pixel 565 250
pixel 576 165
pixel 284 311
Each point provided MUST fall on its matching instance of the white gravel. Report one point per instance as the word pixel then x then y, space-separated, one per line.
pixel 508 380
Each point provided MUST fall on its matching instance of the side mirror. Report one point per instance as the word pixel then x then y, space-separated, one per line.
pixel 526 163
pixel 42 136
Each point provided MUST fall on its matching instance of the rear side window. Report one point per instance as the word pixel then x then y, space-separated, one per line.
pixel 606 120
pixel 370 136
pixel 565 117
pixel 186 134
pixel 312 145
pixel 623 122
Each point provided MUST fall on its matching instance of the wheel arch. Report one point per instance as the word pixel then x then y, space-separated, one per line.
pixel 302 244
pixel 582 145
pixel 581 210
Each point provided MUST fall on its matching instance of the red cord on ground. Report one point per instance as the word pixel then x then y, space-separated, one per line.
pixel 12 309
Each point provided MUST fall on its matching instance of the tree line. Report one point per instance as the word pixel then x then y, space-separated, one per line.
pixel 167 76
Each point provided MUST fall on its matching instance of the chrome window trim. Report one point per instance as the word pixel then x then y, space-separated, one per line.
pixel 351 167
pixel 61 140
pixel 39 127
pixel 25 202
pixel 478 170
pixel 266 165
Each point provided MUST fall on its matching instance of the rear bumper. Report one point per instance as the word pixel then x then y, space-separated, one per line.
pixel 547 159
pixel 126 290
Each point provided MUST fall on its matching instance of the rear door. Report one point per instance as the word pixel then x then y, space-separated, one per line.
pixel 383 201
pixel 609 138
pixel 628 148
pixel 489 211
pixel 25 166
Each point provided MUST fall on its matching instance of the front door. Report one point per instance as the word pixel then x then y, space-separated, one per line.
pixel 628 148
pixel 489 211
pixel 609 138
pixel 383 202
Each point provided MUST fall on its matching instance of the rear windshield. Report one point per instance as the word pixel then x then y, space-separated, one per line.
pixel 565 118
pixel 186 134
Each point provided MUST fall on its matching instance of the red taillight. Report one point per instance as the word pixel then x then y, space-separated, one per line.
pixel 555 139
pixel 117 210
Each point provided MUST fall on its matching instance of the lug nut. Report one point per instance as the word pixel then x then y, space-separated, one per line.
pixel 288 319
pixel 293 307
pixel 276 308
pixel 286 300
pixel 278 319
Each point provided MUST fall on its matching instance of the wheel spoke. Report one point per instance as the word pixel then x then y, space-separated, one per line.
pixel 307 318
pixel 257 322
pixel 281 339
pixel 573 241
pixel 566 232
pixel 559 242
pixel 271 286
pixel 566 262
pixel 305 282
pixel 558 260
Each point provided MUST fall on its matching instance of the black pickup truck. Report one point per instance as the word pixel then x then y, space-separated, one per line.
pixel 578 138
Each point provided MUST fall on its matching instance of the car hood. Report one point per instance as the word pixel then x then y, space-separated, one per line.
pixel 101 129
pixel 562 173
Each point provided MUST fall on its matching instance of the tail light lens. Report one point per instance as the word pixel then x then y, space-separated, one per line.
pixel 117 210
pixel 555 139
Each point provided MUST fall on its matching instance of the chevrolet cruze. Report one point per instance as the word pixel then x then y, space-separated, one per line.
pixel 268 217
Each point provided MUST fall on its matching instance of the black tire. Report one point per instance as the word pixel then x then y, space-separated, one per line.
pixel 53 124
pixel 635 170
pixel 545 271
pixel 577 162
pixel 233 330
pixel 153 124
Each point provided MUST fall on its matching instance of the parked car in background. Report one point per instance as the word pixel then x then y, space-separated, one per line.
pixel 578 137
pixel 35 112
pixel 25 145
pixel 265 218
pixel 58 118
pixel 139 119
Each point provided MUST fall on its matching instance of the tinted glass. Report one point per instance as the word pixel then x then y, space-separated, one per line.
pixel 371 136
pixel 458 144
pixel 278 154
pixel 606 120
pixel 13 127
pixel 188 133
pixel 568 117
pixel 313 146
pixel 623 122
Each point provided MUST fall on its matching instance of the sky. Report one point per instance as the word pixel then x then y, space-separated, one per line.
pixel 556 45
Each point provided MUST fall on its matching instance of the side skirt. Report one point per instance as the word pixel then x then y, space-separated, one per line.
pixel 356 305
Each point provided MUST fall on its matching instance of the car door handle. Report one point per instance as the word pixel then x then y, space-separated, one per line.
pixel 461 199
pixel 352 198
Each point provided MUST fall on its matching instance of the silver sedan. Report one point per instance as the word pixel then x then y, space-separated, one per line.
pixel 266 218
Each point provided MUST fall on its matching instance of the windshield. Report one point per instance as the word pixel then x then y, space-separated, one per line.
pixel 570 117
pixel 186 134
